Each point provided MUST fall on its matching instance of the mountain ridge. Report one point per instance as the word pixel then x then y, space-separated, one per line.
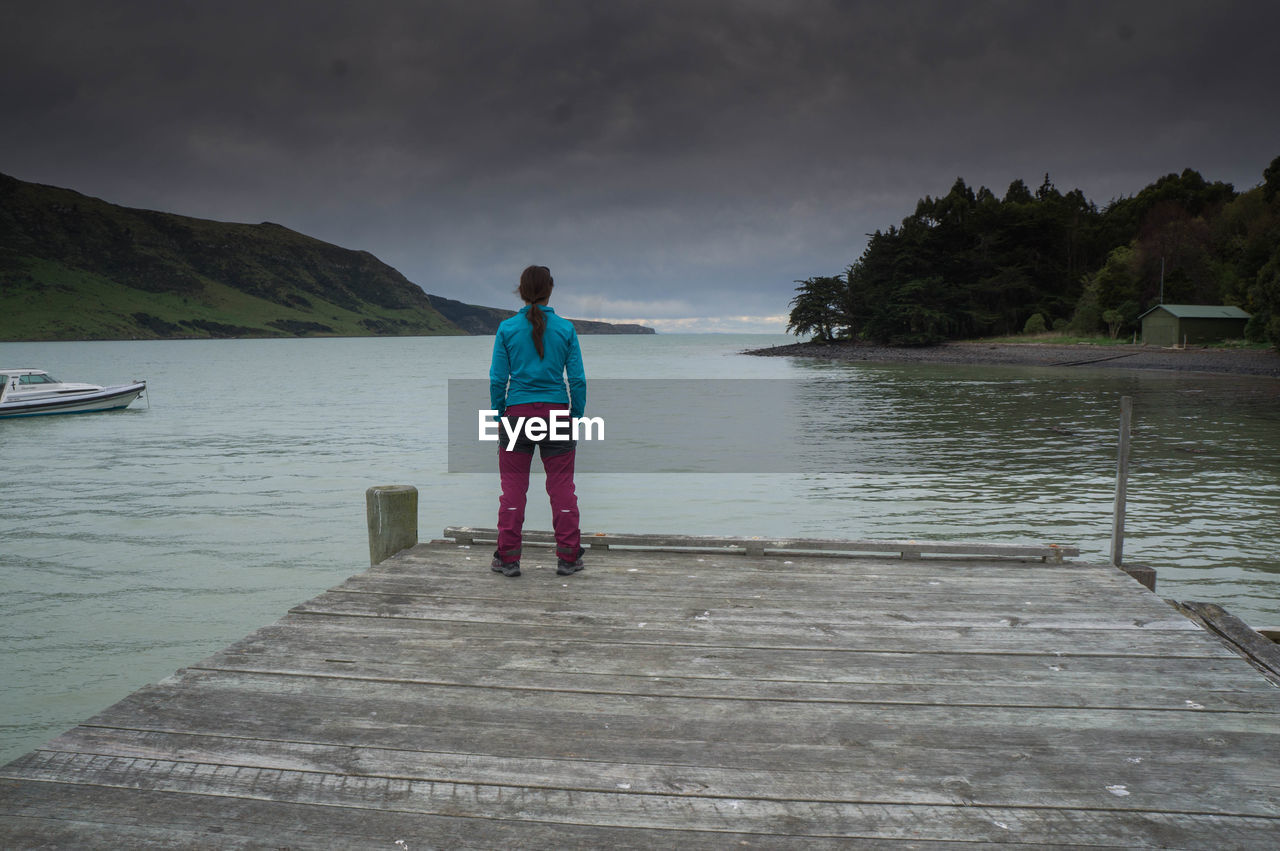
pixel 74 267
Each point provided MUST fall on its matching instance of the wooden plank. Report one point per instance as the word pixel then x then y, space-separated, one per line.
pixel 290 824
pixel 609 613
pixel 533 802
pixel 880 768
pixel 1131 692
pixel 445 550
pixel 821 563
pixel 74 815
pixel 229 700
pixel 647 569
pixel 894 638
pixel 1259 650
pixel 967 775
pixel 286 646
pixel 925 592
pixel 751 601
pixel 552 598
pixel 455 560
pixel 758 546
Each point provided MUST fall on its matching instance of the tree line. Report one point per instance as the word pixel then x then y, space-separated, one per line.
pixel 971 264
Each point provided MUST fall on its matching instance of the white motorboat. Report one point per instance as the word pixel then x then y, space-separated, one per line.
pixel 34 392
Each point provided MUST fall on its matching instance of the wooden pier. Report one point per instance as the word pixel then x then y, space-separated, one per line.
pixel 727 694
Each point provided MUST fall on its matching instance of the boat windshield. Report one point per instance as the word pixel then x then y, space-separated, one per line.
pixel 38 378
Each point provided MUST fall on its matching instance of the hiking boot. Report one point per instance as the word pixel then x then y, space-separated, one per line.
pixel 566 567
pixel 506 568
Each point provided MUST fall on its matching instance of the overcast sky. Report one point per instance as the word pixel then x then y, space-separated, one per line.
pixel 680 164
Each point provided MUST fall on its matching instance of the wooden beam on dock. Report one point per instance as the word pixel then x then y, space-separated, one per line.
pixel 683 699
pixel 1254 646
pixel 760 545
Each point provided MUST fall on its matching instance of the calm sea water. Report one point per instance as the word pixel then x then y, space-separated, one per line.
pixel 136 542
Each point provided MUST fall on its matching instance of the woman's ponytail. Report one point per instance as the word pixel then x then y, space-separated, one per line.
pixel 539 322
pixel 535 287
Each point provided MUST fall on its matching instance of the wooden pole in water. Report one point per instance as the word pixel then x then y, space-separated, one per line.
pixel 1122 481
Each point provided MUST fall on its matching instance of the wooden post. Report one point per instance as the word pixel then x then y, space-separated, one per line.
pixel 393 520
pixel 1122 481
pixel 1144 574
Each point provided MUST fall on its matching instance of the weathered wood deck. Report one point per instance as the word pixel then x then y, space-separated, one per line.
pixel 683 700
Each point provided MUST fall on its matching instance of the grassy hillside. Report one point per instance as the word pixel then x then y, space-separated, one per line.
pixel 49 301
pixel 77 268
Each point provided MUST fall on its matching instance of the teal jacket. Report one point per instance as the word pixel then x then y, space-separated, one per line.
pixel 517 375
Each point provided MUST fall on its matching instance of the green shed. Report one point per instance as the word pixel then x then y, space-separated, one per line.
pixel 1174 324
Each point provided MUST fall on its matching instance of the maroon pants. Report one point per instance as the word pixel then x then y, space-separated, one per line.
pixel 514 465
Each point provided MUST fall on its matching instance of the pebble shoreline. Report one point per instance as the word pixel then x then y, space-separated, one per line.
pixel 1192 359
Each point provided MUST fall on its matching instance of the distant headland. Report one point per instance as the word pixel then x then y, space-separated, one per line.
pixel 74 267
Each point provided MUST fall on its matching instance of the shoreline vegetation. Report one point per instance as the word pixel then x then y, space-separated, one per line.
pixel 1217 360
pixel 972 265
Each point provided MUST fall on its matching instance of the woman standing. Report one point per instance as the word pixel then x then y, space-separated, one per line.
pixel 532 353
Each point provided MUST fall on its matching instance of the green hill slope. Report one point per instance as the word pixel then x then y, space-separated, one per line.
pixel 78 268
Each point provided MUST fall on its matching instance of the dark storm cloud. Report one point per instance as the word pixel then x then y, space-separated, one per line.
pixel 671 159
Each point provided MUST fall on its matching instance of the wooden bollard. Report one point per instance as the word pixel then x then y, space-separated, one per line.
pixel 1143 573
pixel 393 520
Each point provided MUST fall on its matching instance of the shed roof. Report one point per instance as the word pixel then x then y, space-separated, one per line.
pixel 1201 311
